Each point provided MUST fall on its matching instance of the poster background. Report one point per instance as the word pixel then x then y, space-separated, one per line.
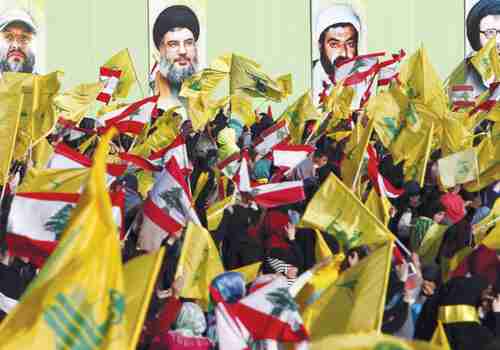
pixel 199 7
pixel 468 4
pixel 36 8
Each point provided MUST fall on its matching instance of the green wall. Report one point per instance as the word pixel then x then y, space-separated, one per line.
pixel 82 34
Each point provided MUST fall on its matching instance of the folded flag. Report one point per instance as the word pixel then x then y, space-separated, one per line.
pixel 487 63
pixel 271 137
pixel 176 149
pixel 140 111
pixel 230 166
pixel 297 114
pixel 458 168
pixel 381 185
pixel 167 209
pixel 289 156
pixel 122 62
pixel 389 70
pixel 37 237
pixel 110 78
pixel 277 194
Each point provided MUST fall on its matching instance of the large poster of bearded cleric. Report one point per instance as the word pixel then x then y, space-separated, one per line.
pixel 482 22
pixel 22 36
pixel 338 29
pixel 177 46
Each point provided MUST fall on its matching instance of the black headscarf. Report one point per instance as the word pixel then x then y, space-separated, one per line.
pixel 482 9
pixel 177 16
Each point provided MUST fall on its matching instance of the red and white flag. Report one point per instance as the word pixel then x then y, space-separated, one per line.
pixel 167 209
pixel 289 156
pixel 462 96
pixel 491 101
pixel 268 313
pixel 176 149
pixel 138 162
pixel 242 179
pixel 111 78
pixel 271 137
pixel 140 111
pixel 277 194
pixel 389 70
pixel 66 157
pixel 230 166
pixel 379 182
pixel 37 220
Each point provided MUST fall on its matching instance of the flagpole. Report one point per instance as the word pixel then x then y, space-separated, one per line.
pixel 135 75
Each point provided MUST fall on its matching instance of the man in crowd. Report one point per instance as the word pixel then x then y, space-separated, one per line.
pixel 175 32
pixel 17 34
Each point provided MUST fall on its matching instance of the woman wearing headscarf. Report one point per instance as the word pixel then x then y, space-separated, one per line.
pixel 282 253
pixel 187 331
pixel 432 213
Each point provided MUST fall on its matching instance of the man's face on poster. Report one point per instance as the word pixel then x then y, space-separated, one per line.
pixel 489 26
pixel 16 53
pixel 339 42
pixel 179 56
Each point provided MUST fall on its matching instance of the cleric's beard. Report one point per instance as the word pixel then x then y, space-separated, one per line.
pixel 26 66
pixel 175 76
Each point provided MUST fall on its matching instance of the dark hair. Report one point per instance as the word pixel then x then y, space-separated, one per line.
pixel 480 10
pixel 320 152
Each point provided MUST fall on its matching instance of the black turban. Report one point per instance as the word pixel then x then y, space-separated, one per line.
pixel 480 10
pixel 178 16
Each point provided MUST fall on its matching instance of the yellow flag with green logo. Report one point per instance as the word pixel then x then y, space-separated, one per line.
pixel 242 109
pixel 41 154
pixel 10 112
pixel 54 180
pixel 488 159
pixel 487 223
pixel 384 109
pixel 74 104
pixel 199 264
pixel 203 82
pixel 122 62
pixel 370 341
pixel 439 338
pixel 216 211
pixel 297 114
pixel 337 210
pixel 358 295
pixel 458 168
pixel 77 301
pixel 487 63
pixel 140 276
pixel 429 247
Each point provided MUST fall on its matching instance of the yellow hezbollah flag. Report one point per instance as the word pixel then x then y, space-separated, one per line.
pixel 123 62
pixel 370 341
pixel 77 300
pixel 358 295
pixel 140 277
pixel 199 264
pixel 246 76
pixel 297 114
pixel 74 104
pixel 216 211
pixel 241 107
pixel 54 180
pixel 203 82
pixel 481 228
pixel 249 272
pixel 384 109
pixel 487 63
pixel 285 84
pixel 488 158
pixel 439 338
pixel 10 112
pixel 379 206
pixel 456 134
pixel 336 210
pixel 145 182
pixel 41 154
pixel 200 185
pixel 458 168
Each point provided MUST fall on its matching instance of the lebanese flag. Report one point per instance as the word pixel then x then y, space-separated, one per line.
pixel 276 194
pixel 140 111
pixel 462 96
pixel 178 150
pixel 230 166
pixel 37 219
pixel 491 101
pixel 126 126
pixel 111 78
pixel 271 137
pixel 260 316
pixel 389 70
pixel 379 182
pixel 357 69
pixel 289 156
pixel 66 157
pixel 242 179
pixel 167 209
pixel 138 162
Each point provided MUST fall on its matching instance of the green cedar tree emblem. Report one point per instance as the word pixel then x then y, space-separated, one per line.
pixel 347 240
pixel 58 222
pixel 172 199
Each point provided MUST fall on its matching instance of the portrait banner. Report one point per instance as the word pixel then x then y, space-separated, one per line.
pixel 177 46
pixel 338 32
pixel 22 36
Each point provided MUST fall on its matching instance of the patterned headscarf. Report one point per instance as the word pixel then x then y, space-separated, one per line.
pixel 191 321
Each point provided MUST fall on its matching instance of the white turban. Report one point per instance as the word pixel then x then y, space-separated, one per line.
pixel 16 15
pixel 334 15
